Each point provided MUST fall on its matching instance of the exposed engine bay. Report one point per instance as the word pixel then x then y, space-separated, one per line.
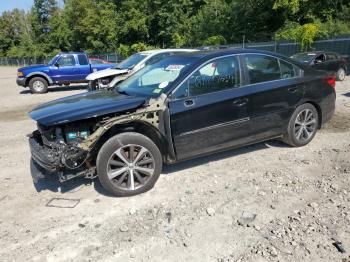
pixel 57 150
pixel 68 149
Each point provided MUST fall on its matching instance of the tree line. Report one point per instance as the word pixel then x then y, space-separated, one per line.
pixel 127 26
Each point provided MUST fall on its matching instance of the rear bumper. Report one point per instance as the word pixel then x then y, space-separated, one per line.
pixel 21 81
pixel 328 108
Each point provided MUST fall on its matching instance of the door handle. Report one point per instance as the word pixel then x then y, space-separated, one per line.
pixel 293 89
pixel 189 103
pixel 240 102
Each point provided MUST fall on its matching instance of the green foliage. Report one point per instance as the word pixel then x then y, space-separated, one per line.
pixel 178 40
pixel 128 26
pixel 307 33
pixel 215 40
pixel 123 50
pixel 138 47
pixel 304 34
pixel 292 6
pixel 332 28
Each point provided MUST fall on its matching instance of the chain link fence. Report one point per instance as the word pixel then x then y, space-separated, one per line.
pixel 339 45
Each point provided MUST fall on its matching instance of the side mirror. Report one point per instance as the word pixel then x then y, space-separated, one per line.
pixel 318 61
pixel 57 64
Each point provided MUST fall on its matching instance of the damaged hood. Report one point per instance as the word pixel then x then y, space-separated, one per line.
pixel 83 106
pixel 106 73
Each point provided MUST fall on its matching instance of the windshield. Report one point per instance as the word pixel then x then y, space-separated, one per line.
pixel 304 57
pixel 152 79
pixel 53 60
pixel 131 61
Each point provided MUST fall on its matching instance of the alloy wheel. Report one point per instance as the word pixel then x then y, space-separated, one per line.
pixel 305 125
pixel 130 167
pixel 341 74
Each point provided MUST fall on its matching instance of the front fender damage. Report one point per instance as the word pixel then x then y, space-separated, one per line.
pixel 150 114
pixel 74 160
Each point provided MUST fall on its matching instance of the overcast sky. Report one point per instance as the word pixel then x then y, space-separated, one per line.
pixel 7 5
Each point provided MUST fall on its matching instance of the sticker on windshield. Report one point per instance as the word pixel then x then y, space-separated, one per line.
pixel 174 67
pixel 157 91
pixel 163 85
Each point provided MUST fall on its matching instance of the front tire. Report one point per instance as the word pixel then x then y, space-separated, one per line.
pixel 129 164
pixel 302 126
pixel 38 85
pixel 341 74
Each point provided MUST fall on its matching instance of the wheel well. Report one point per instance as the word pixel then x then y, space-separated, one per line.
pixel 41 76
pixel 138 127
pixel 319 112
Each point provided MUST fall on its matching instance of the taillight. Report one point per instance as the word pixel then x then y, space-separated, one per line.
pixel 330 81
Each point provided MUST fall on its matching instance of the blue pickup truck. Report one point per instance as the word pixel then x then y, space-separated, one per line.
pixel 63 69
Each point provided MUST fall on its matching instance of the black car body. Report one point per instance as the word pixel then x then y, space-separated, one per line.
pixel 182 107
pixel 327 61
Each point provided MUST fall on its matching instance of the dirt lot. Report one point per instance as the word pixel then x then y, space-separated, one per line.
pixel 266 202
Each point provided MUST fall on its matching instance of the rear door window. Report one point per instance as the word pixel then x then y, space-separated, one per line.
pixel 331 56
pixel 287 70
pixel 83 59
pixel 262 68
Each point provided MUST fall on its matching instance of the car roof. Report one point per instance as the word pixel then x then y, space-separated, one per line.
pixel 229 51
pixel 202 56
pixel 72 52
pixel 159 51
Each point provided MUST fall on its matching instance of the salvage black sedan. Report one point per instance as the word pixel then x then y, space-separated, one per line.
pixel 327 61
pixel 181 107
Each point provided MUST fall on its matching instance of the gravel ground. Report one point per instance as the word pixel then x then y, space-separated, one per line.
pixel 266 202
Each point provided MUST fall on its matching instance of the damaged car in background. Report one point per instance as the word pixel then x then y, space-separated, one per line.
pixel 184 106
pixel 109 78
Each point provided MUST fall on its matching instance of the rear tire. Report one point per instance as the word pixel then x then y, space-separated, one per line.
pixel 341 74
pixel 38 85
pixel 302 126
pixel 129 164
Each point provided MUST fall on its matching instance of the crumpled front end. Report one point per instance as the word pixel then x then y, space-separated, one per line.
pixel 52 156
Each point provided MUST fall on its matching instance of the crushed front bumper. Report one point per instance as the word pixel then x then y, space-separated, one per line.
pixel 47 163
pixel 43 156
pixel 43 162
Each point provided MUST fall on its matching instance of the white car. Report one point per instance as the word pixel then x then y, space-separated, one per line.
pixel 108 78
